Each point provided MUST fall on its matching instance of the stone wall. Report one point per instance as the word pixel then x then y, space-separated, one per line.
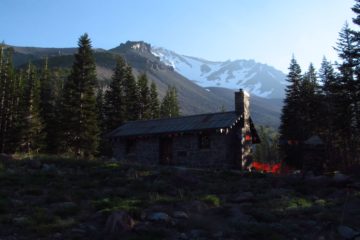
pixel 186 151
pixel 147 151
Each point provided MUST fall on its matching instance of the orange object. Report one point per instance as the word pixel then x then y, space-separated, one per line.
pixel 247 138
pixel 267 167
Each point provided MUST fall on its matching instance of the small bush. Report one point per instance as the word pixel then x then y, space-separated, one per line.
pixel 299 203
pixel 211 199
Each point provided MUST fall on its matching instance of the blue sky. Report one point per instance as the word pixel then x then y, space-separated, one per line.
pixel 268 31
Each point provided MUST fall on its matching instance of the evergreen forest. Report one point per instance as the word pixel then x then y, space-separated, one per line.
pixel 67 111
pixel 325 103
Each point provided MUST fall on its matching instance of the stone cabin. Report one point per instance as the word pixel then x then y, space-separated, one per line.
pixel 214 140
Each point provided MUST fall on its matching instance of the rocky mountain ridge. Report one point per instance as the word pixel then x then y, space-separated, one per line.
pixel 259 79
pixel 193 99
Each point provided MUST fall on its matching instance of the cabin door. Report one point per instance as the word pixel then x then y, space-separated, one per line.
pixel 166 151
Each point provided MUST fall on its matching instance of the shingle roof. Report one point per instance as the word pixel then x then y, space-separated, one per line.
pixel 178 124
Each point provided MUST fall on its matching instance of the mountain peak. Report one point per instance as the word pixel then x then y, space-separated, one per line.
pixel 139 46
pixel 257 78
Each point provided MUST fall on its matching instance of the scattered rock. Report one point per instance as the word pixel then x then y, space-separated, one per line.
pixel 10 171
pixel 159 217
pixel 34 164
pixel 65 209
pixel 218 235
pixel 340 178
pixel 243 197
pixel 48 168
pixel 5 158
pixel 119 221
pixel 58 236
pixel 278 192
pixel 196 206
pixel 78 232
pixel 64 205
pixel 236 216
pixel 183 236
pixel 197 233
pixel 20 220
pixel 17 202
pixel 132 174
pixel 180 215
pixel 347 232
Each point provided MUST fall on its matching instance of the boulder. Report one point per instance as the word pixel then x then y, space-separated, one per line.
pixel 49 168
pixel 34 164
pixel 340 178
pixel 5 158
pixel 180 215
pixel 21 221
pixel 159 217
pixel 347 232
pixel 243 197
pixel 196 206
pixel 118 222
pixel 236 215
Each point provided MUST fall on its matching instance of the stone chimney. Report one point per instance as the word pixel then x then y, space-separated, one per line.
pixel 242 103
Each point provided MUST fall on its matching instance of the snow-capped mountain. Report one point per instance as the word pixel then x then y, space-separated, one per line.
pixel 259 79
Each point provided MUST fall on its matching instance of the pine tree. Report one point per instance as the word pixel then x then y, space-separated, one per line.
pixel 356 33
pixel 19 111
pixel 291 133
pixel 327 99
pixel 131 92
pixel 47 108
pixel 309 101
pixel 6 94
pixel 144 99
pixel 114 102
pixel 347 104
pixel 101 120
pixel 154 102
pixel 169 105
pixel 79 116
pixel 33 136
pixel 356 10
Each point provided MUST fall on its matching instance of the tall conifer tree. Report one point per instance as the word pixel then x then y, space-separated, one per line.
pixel 47 108
pixel 309 103
pixel 347 105
pixel 169 105
pixel 114 102
pixel 144 97
pixel 154 102
pixel 132 97
pixel 290 127
pixel 79 115
pixel 33 136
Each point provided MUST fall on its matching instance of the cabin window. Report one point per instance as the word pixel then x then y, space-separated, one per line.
pixel 204 141
pixel 130 146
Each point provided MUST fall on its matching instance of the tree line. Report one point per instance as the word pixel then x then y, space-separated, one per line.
pixel 67 111
pixel 325 103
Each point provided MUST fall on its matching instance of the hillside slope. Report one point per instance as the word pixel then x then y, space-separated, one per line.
pixel 193 98
pixel 258 79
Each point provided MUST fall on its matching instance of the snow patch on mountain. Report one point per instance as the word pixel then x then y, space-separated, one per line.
pixel 259 79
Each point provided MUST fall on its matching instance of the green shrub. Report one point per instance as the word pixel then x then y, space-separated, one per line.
pixel 132 206
pixel 299 203
pixel 211 199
